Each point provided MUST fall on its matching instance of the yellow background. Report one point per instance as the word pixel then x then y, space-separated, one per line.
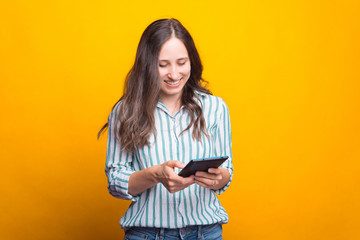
pixel 288 70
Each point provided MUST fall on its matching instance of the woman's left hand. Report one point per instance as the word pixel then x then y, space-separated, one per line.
pixel 215 178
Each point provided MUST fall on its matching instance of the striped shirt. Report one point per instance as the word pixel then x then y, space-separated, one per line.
pixel 156 207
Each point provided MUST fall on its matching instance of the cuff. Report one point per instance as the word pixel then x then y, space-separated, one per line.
pixel 119 186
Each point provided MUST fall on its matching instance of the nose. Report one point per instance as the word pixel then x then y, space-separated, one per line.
pixel 174 73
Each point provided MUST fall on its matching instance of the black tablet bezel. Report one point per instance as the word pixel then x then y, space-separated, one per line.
pixel 202 164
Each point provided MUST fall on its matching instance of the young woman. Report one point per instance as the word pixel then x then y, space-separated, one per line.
pixel 164 119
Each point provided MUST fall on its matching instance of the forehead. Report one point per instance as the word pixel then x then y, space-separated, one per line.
pixel 173 48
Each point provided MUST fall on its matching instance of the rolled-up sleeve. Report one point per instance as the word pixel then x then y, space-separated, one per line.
pixel 119 163
pixel 223 141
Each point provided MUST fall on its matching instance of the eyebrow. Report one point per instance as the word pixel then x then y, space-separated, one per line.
pixel 166 60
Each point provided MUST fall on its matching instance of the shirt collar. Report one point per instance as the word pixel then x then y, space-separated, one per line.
pixel 200 93
pixel 162 106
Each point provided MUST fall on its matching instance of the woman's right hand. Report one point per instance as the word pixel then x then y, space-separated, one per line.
pixel 172 181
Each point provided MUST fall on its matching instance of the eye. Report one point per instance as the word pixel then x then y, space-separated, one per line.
pixel 181 63
pixel 162 65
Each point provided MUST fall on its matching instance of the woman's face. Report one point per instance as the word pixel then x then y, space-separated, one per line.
pixel 174 69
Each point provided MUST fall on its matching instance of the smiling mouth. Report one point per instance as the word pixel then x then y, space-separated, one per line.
pixel 173 83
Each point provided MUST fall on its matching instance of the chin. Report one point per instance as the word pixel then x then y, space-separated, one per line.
pixel 169 93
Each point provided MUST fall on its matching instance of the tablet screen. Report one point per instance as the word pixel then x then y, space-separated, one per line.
pixel 202 164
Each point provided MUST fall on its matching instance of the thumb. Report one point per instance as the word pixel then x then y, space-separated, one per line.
pixel 175 163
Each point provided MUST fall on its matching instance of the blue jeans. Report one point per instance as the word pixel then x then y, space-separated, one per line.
pixel 197 232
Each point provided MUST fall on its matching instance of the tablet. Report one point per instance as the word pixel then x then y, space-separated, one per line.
pixel 201 164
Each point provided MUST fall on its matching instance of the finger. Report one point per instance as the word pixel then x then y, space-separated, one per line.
pixel 205 181
pixel 169 168
pixel 175 180
pixel 208 175
pixel 175 163
pixel 201 183
pixel 177 189
pixel 214 170
pixel 174 186
pixel 188 180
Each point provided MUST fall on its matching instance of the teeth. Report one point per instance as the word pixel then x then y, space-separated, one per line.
pixel 172 83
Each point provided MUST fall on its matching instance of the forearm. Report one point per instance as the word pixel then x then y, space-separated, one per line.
pixel 141 180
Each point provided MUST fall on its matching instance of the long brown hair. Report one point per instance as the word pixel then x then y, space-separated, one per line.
pixel 142 87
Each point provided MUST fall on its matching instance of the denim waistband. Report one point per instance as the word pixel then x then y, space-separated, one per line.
pixel 176 232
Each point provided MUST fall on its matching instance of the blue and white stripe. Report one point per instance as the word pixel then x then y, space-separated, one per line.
pixel 156 207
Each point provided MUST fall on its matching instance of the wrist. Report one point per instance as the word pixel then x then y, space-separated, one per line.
pixel 154 174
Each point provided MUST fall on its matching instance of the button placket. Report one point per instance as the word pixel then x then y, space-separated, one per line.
pixel 176 149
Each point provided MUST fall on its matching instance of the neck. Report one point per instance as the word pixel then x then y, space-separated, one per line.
pixel 173 104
